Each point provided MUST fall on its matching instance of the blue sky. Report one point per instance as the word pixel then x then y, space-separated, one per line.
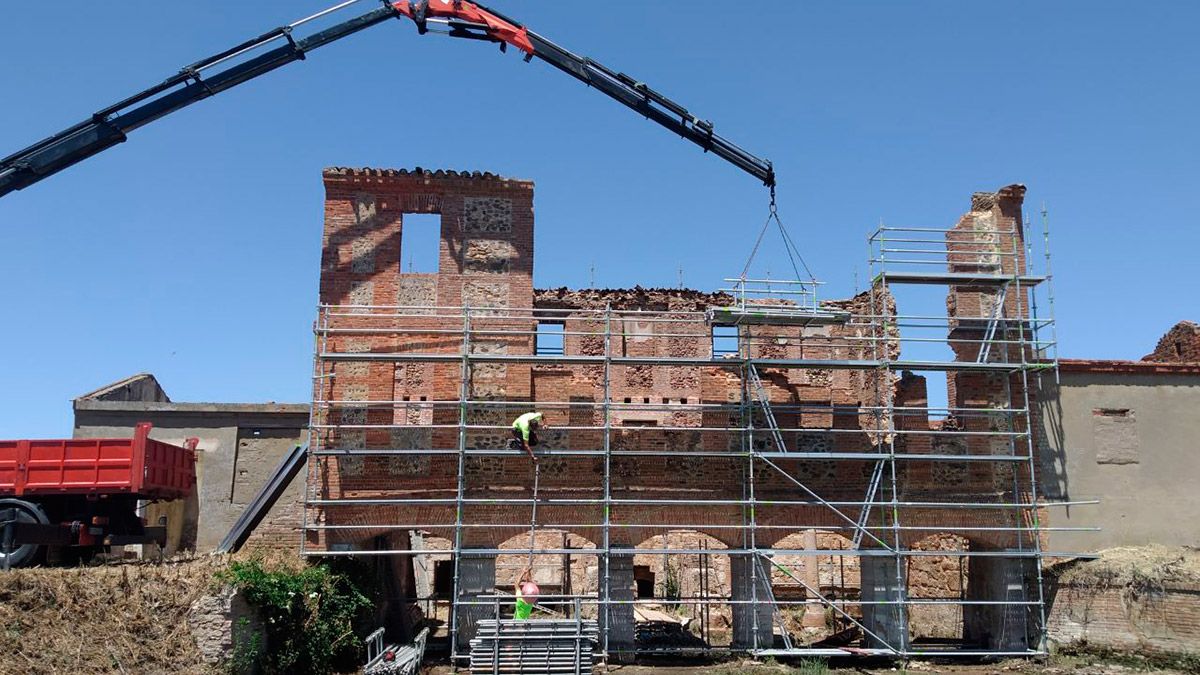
pixel 191 251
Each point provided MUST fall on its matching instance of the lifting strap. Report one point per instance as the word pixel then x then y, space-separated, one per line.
pixel 789 246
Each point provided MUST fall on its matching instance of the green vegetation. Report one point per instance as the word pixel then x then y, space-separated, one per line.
pixel 671 585
pixel 311 618
pixel 813 667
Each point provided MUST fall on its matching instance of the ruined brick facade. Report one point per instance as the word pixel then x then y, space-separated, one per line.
pixel 1181 344
pixel 388 418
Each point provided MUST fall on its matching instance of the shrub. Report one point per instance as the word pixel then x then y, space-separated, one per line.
pixel 310 618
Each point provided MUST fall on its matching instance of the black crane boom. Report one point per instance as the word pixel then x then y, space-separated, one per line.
pixel 208 77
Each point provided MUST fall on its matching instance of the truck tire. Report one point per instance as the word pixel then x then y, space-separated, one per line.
pixel 24 512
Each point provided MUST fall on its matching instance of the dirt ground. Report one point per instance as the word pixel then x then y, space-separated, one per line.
pixel 1057 665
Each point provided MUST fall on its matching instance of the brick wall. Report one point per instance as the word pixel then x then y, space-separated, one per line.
pixel 1181 344
pixel 485 260
pixel 386 403
pixel 1163 622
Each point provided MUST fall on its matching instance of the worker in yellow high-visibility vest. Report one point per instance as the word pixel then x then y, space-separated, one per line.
pixel 524 430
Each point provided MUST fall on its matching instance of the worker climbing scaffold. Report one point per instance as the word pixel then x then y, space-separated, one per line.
pixel 524 431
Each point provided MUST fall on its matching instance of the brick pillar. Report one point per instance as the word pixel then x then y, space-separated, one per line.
pixel 752 617
pixel 476 577
pixel 879 583
pixel 814 614
pixel 618 621
pixel 1000 627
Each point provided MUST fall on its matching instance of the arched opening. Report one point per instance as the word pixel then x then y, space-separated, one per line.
pixel 561 576
pixel 823 569
pixel 937 585
pixel 681 591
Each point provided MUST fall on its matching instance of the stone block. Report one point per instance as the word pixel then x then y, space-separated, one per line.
pixel 416 291
pixel 488 256
pixel 487 215
pixel 482 294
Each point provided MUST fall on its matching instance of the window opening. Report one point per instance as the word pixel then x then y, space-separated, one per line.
pixel 644 580
pixel 420 242
pixel 724 341
pixel 550 338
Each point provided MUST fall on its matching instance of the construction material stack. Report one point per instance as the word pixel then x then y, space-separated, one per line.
pixel 534 646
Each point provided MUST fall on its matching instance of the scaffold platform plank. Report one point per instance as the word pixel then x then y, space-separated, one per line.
pixel 958 278
pixel 774 315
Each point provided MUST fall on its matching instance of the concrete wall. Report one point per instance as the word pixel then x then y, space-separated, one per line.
pixel 1128 434
pixel 240 445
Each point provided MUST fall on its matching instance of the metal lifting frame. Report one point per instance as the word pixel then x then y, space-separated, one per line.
pixel 873 527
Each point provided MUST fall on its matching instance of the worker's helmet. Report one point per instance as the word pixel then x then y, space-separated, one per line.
pixel 530 591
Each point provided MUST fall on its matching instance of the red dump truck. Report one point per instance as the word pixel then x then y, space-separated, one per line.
pixel 83 494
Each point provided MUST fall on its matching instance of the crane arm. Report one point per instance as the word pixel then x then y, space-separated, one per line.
pixel 474 20
pixel 276 48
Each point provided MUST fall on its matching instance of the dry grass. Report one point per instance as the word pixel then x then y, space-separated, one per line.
pixel 1137 567
pixel 122 618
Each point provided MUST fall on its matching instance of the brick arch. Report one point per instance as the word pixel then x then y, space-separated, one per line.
pixel 520 541
pixel 958 522
pixel 553 572
pixel 645 537
pixel 685 568
pixel 826 540
pixel 831 573
pixel 947 540
pixel 679 538
pixel 786 520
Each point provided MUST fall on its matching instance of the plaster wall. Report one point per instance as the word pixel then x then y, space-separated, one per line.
pixel 240 445
pixel 1130 440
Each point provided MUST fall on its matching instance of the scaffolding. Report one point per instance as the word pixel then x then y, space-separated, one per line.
pixel 787 497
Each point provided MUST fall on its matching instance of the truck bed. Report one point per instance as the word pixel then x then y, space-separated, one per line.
pixel 138 466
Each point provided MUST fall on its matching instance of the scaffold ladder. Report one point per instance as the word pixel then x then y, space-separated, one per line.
pixel 994 320
pixel 537 474
pixel 865 514
pixel 764 401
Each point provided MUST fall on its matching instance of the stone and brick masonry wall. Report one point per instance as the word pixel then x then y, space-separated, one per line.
pixel 1181 344
pixel 486 262
pixel 1164 622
